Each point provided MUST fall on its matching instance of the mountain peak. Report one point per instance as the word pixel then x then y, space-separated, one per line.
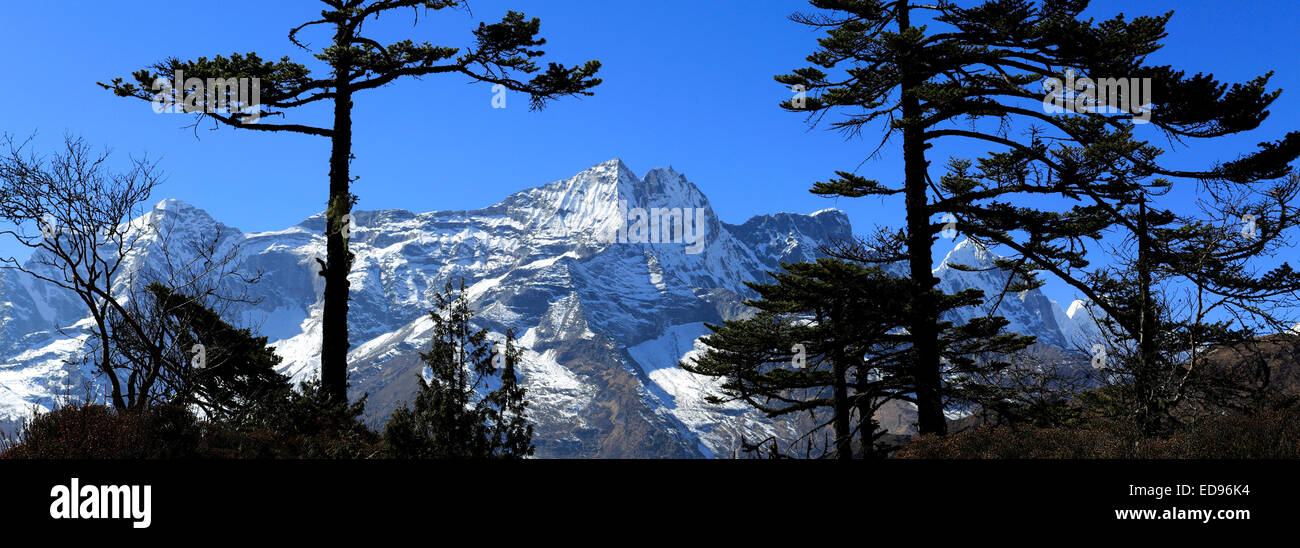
pixel 595 198
pixel 613 168
pixel 177 210
pixel 667 185
pixel 172 204
pixel 1075 307
pixel 177 217
pixel 614 178
pixel 969 253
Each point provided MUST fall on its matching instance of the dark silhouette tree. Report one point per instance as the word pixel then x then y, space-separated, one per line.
pixel 74 213
pixel 830 338
pixel 501 54
pixel 85 225
pixel 1181 286
pixel 984 66
pixel 204 361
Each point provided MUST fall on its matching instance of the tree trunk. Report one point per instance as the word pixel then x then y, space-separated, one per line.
pixel 338 260
pixel 106 361
pixel 924 318
pixel 866 422
pixel 1145 381
pixel 843 431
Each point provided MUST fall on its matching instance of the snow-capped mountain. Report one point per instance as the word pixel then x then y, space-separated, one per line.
pixel 1029 312
pixel 607 302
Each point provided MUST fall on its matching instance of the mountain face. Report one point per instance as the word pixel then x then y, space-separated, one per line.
pixel 609 278
pixel 1029 312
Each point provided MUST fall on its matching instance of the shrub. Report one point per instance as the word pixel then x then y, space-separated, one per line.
pixel 92 431
pixel 1108 440
pixel 287 424
pixel 298 424
pixel 1265 434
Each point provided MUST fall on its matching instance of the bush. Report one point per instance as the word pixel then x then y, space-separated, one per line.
pixel 1026 442
pixel 91 431
pixel 1265 434
pixel 287 424
pixel 298 424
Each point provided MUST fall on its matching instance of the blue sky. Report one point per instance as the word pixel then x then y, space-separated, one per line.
pixel 687 84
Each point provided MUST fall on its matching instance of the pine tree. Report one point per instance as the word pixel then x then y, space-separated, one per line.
pixel 985 64
pixel 202 360
pixel 502 52
pixel 448 418
pixel 512 433
pixel 830 336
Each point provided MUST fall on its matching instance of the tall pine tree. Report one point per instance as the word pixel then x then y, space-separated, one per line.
pixel 928 72
pixel 503 54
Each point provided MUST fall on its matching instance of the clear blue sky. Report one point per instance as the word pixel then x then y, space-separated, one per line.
pixel 687 84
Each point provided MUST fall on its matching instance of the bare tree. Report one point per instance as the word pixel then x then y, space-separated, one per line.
pixel 1182 288
pixel 85 225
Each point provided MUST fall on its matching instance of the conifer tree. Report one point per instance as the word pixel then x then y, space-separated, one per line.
pixel 503 54
pixel 512 432
pixel 202 359
pixel 831 336
pixel 454 414
pixel 918 69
